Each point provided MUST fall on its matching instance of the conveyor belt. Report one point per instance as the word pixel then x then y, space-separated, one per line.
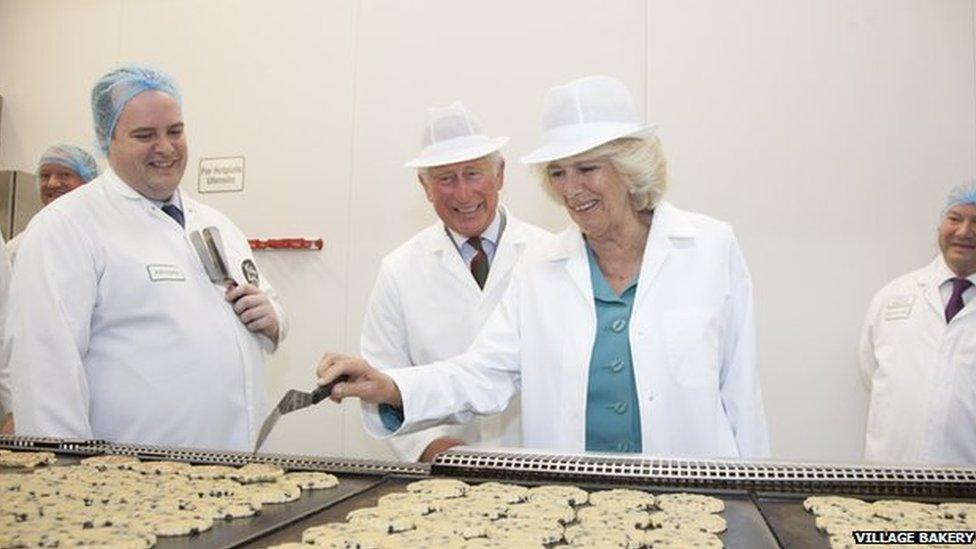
pixel 763 498
pixel 200 456
pixel 811 478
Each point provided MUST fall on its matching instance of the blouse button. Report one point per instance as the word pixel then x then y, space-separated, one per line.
pixel 618 325
pixel 619 407
pixel 615 365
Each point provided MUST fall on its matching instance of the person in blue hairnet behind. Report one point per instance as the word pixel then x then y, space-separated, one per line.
pixel 115 330
pixel 61 169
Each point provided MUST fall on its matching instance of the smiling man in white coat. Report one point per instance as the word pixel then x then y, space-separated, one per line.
pixel 918 351
pixel 435 292
pixel 117 331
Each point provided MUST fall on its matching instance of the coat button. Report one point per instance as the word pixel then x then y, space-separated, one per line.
pixel 618 325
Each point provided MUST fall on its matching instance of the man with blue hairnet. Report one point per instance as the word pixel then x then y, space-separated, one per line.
pixel 918 351
pixel 117 331
pixel 61 169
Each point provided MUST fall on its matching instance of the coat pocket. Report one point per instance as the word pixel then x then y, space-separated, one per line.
pixel 691 340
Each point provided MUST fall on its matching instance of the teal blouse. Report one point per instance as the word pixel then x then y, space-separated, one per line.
pixel 612 413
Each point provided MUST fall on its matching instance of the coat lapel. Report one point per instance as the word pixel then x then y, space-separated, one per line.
pixel 573 359
pixel 570 248
pixel 506 254
pixel 930 291
pixel 669 223
pixel 440 244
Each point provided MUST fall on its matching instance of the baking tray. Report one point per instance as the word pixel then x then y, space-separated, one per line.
pixel 793 526
pixel 335 513
pixel 234 533
pixel 746 527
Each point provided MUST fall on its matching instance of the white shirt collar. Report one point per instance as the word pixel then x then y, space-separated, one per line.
pixel 175 200
pixel 112 179
pixel 943 273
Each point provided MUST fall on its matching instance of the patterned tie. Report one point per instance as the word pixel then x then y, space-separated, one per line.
pixel 479 263
pixel 176 213
pixel 959 285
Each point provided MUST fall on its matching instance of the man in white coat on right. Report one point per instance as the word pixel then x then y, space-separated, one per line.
pixel 918 352
pixel 435 292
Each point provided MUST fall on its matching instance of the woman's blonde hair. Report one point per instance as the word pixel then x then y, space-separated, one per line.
pixel 639 161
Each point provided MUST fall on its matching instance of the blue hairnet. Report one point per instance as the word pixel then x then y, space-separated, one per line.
pixel 964 193
pixel 71 157
pixel 114 91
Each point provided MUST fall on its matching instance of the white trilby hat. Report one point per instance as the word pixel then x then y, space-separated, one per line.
pixel 584 114
pixel 452 135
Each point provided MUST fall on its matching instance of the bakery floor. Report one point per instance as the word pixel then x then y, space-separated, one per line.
pixel 746 527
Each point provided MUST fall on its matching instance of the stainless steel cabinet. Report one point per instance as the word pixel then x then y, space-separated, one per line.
pixel 19 201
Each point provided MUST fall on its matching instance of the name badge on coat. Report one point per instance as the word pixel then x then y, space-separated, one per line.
pixel 165 273
pixel 899 307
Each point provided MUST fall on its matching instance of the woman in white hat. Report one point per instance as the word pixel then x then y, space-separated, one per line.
pixel 632 331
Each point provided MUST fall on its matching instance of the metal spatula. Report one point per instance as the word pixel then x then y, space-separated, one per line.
pixel 294 400
pixel 215 245
pixel 204 254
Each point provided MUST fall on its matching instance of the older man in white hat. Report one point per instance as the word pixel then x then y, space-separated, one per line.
pixel 435 291
pixel 631 331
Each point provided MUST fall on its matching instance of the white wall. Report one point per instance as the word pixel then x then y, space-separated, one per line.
pixel 825 132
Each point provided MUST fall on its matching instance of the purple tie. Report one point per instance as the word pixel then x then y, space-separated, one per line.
pixel 959 285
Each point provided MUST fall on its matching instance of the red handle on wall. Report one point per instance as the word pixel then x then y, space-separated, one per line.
pixel 285 244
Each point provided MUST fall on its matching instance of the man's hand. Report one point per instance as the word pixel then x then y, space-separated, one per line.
pixel 255 310
pixel 7 426
pixel 437 446
pixel 365 382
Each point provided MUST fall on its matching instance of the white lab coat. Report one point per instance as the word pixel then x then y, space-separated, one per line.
pixel 12 246
pixel 691 334
pixel 118 334
pixel 920 373
pixel 426 306
pixel 6 401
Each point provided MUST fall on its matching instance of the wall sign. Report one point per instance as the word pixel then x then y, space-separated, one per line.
pixel 221 175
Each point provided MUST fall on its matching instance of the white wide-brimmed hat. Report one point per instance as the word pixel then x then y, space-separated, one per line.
pixel 453 135
pixel 584 114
